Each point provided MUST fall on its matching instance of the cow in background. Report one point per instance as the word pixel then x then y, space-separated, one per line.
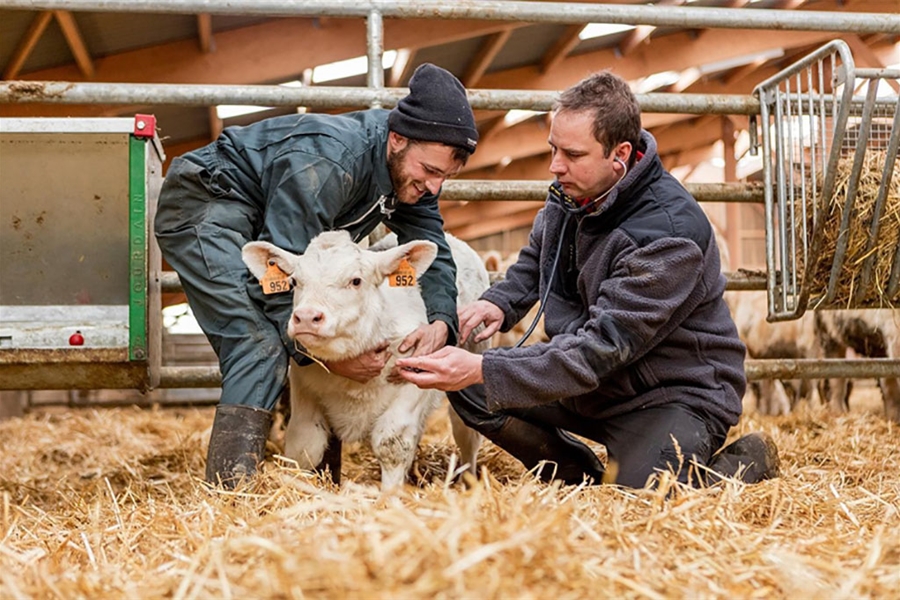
pixel 873 333
pixel 765 340
pixel 795 339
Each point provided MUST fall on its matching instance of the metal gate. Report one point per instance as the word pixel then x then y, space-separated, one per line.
pixel 830 136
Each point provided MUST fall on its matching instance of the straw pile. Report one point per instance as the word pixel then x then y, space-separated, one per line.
pixel 107 503
pixel 885 246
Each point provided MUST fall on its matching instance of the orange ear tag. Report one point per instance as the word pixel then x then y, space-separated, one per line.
pixel 404 276
pixel 275 281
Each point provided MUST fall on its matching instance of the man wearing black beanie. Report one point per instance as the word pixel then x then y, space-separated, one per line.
pixel 285 180
pixel 436 110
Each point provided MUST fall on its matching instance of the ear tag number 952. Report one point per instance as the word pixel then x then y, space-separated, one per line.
pixel 275 281
pixel 404 276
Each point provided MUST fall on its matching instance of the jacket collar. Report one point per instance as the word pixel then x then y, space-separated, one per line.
pixel 636 175
pixel 381 178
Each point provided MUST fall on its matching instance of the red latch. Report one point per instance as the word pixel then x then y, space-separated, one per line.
pixel 144 126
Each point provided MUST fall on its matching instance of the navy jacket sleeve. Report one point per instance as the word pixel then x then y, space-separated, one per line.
pixel 647 287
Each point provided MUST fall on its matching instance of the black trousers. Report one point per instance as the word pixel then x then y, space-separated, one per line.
pixel 673 437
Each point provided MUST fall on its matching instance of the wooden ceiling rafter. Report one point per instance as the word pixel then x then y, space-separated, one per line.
pixel 76 42
pixel 27 44
pixel 467 213
pixel 269 51
pixel 36 29
pixel 561 48
pixel 504 222
pixel 641 33
pixel 693 158
pixel 205 33
pixel 401 69
pixel 488 50
pixel 215 123
pixel 865 57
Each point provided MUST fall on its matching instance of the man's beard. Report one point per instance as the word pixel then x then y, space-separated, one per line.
pixel 399 180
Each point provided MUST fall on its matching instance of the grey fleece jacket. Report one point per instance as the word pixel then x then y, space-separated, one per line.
pixel 635 314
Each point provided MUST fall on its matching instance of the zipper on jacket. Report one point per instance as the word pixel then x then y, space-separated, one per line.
pixel 380 203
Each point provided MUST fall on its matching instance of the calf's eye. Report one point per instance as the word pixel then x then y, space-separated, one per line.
pixel 356 282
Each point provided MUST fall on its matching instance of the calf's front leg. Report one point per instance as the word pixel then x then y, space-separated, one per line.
pixel 307 433
pixel 396 434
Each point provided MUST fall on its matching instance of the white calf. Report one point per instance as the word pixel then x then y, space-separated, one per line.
pixel 344 306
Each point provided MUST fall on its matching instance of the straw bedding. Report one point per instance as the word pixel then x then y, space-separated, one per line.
pixel 859 236
pixel 108 503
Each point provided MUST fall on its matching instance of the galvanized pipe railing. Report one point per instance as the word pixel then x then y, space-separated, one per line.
pixel 536 191
pixel 375 45
pixel 686 17
pixel 319 97
pixel 203 377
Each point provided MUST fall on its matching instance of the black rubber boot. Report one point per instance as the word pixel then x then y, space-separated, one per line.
pixel 237 445
pixel 568 459
pixel 531 444
pixel 752 458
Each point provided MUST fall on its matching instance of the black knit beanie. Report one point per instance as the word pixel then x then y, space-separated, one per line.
pixel 436 110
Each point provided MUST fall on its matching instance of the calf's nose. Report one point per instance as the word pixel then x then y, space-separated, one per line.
pixel 308 319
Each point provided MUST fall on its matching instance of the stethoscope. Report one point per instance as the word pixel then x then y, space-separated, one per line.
pixel 571 209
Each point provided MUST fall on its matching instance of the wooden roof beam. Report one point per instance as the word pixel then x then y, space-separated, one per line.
pixel 205 33
pixel 505 223
pixel 561 47
pixel 864 56
pixel 76 42
pixel 532 167
pixel 274 50
pixel 27 44
pixel 690 158
pixel 476 211
pixel 674 52
pixel 642 33
pixel 400 71
pixel 689 135
pixel 484 57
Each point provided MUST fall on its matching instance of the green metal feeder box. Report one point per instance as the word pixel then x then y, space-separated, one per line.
pixel 79 272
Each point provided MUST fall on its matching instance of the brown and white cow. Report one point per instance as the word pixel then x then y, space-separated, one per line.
pixel 873 333
pixel 764 340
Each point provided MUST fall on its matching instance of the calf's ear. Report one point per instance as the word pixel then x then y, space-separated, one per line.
pixel 420 254
pixel 257 255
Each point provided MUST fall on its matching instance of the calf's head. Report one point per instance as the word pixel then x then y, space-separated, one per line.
pixel 339 300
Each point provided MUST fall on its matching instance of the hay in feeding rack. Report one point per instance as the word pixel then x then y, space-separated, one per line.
pixel 859 236
pixel 109 504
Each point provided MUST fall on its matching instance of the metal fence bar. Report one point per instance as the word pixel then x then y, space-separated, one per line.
pixel 375 49
pixel 169 282
pixel 203 377
pixel 151 94
pixel 862 368
pixel 689 17
pixel 489 189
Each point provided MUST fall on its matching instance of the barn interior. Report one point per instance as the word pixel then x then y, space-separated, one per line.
pixel 101 491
